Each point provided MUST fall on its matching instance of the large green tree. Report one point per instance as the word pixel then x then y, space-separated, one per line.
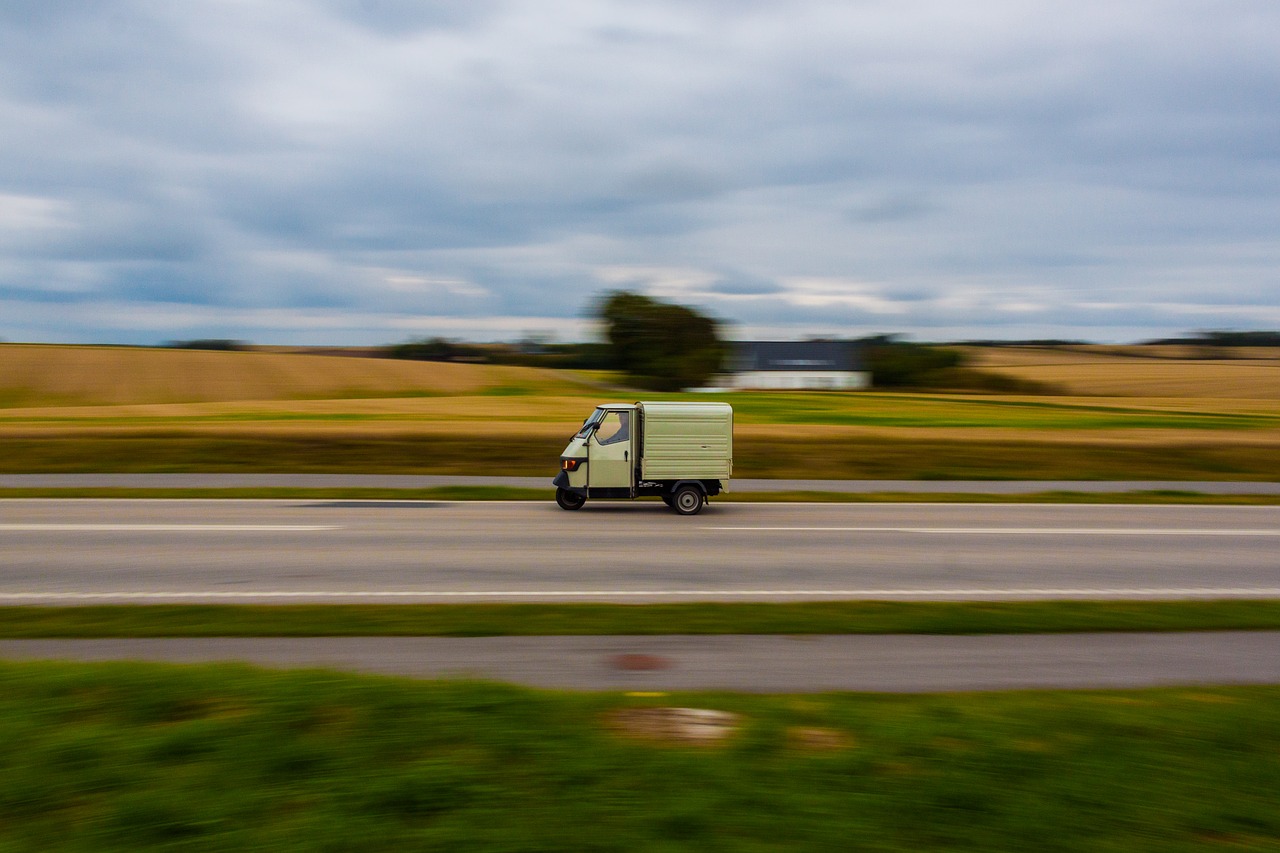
pixel 658 345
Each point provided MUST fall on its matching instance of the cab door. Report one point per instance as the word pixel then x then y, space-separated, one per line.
pixel 611 456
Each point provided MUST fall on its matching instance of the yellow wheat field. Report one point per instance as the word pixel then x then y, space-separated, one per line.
pixel 1244 374
pixel 39 376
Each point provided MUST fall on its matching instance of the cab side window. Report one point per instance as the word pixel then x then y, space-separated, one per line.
pixel 614 428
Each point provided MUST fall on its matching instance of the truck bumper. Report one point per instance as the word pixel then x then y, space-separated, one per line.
pixel 562 482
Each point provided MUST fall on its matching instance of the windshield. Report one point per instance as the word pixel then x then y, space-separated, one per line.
pixel 590 423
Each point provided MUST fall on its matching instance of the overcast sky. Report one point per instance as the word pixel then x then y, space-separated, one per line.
pixel 369 171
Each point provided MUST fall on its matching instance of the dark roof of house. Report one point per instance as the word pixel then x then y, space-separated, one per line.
pixel 795 355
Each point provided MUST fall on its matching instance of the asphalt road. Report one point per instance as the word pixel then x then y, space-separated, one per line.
pixel 742 663
pixel 88 551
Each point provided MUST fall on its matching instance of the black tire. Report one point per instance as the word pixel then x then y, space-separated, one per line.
pixel 687 500
pixel 569 500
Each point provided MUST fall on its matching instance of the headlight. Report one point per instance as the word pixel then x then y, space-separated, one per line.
pixel 570 464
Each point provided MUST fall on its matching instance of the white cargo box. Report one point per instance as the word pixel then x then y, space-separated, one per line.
pixel 686 441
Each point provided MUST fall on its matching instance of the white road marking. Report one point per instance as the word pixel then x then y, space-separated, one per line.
pixel 162 528
pixel 941 593
pixel 1011 531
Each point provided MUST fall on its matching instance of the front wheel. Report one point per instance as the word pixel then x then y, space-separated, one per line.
pixel 687 500
pixel 569 500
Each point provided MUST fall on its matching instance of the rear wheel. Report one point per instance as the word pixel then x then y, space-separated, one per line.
pixel 569 500
pixel 687 500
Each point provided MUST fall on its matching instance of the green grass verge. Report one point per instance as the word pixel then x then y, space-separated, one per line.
pixel 474 620
pixel 797 457
pixel 505 493
pixel 152 757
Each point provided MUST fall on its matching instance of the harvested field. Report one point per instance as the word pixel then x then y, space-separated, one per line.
pixel 39 375
pixel 404 410
pixel 1244 374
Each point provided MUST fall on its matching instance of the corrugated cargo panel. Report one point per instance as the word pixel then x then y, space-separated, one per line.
pixel 687 440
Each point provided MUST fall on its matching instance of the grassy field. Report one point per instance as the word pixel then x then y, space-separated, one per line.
pixel 148 757
pixel 123 409
pixel 481 620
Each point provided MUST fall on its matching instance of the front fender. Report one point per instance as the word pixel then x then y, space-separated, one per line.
pixel 562 482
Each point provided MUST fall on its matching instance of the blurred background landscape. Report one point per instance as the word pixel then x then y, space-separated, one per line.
pixel 1191 410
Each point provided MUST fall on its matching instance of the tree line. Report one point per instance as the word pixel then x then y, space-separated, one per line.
pixel 661 346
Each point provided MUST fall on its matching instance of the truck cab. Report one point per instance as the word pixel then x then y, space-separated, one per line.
pixel 680 452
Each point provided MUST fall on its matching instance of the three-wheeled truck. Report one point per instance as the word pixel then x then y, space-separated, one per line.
pixel 680 452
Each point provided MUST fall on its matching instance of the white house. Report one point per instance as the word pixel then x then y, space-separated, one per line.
pixel 782 365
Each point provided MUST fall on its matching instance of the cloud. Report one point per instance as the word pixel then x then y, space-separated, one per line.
pixel 21 214
pixel 819 168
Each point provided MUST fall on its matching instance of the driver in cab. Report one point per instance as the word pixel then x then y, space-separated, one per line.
pixel 622 432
